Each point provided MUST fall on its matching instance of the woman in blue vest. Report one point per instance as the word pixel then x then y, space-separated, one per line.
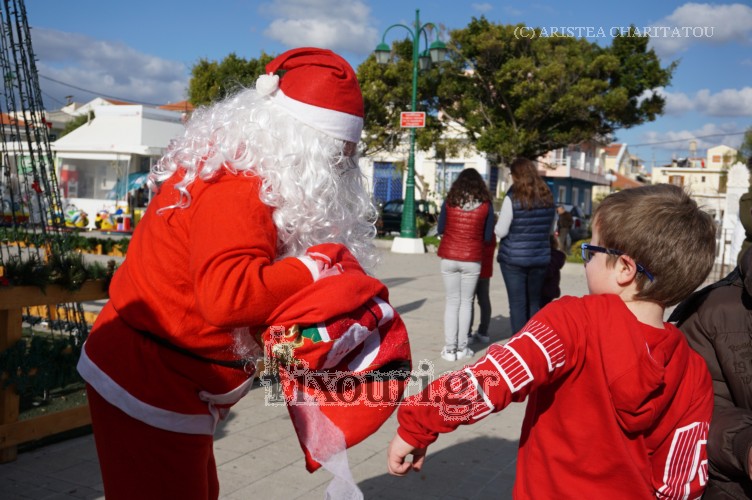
pixel 466 222
pixel 524 225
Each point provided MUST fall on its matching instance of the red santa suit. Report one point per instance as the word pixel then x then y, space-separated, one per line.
pixel 133 360
pixel 199 277
pixel 214 263
pixel 616 408
pixel 174 347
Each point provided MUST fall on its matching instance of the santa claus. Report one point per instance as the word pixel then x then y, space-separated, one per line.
pixel 260 223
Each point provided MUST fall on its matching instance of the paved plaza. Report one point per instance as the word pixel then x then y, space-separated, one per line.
pixel 258 455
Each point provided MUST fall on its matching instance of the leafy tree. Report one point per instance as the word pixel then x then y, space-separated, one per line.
pixel 76 122
pixel 745 150
pixel 212 81
pixel 517 96
pixel 387 91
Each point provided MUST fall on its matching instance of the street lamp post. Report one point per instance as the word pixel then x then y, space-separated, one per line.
pixel 408 242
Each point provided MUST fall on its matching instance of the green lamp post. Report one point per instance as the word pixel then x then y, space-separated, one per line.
pixel 435 53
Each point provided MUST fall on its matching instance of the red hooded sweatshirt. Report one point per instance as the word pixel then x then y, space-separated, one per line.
pixel 616 408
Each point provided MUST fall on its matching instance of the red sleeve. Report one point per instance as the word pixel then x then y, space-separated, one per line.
pixel 680 462
pixel 545 350
pixel 232 250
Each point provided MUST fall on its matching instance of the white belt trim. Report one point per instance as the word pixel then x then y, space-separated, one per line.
pixel 160 418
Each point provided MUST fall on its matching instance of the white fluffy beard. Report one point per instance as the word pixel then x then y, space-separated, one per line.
pixel 318 193
pixel 330 205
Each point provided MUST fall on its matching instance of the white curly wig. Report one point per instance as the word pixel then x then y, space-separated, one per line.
pixel 316 189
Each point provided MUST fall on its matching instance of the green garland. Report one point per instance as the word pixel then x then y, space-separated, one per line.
pixel 43 362
pixel 67 241
pixel 39 364
pixel 69 271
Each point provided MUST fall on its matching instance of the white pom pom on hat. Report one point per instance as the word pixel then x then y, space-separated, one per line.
pixel 317 87
pixel 266 84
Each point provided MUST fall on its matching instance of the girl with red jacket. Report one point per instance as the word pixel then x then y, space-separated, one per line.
pixel 466 222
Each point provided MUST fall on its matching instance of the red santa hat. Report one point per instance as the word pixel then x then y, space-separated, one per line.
pixel 317 87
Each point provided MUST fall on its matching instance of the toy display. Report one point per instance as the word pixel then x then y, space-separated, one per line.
pixel 119 221
pixel 10 211
pixel 76 218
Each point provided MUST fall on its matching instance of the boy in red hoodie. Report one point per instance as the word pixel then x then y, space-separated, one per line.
pixel 618 405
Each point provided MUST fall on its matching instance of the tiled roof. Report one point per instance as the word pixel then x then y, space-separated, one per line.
pixel 6 119
pixel 178 106
pixel 612 149
pixel 624 182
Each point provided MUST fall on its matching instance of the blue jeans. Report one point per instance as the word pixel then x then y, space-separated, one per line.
pixel 460 279
pixel 524 285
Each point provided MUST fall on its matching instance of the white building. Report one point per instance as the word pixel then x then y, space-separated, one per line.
pixel 707 182
pixel 387 171
pixel 105 153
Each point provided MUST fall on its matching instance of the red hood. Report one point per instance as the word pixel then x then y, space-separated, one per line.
pixel 640 370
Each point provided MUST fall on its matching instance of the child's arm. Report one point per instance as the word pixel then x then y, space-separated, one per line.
pixel 537 355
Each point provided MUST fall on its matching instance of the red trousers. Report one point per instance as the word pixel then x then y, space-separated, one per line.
pixel 141 461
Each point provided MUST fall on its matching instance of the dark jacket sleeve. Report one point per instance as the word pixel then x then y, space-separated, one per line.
pixel 488 232
pixel 442 219
pixel 745 213
pixel 730 435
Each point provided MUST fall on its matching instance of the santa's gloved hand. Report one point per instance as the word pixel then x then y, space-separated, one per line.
pixel 328 259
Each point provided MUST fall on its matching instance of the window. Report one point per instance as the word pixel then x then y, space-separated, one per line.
pixel 676 180
pixel 493 182
pixel 387 182
pixel 575 196
pixel 587 208
pixel 702 179
pixel 446 174
pixel 562 197
pixel 716 159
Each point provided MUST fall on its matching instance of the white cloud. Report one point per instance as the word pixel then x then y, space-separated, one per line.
pixel 511 11
pixel 694 23
pixel 104 68
pixel 707 136
pixel 727 102
pixel 482 7
pixel 677 103
pixel 332 24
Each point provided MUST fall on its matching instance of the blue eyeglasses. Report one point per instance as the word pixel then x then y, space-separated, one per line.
pixel 588 250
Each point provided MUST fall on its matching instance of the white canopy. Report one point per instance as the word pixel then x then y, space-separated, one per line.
pixel 129 129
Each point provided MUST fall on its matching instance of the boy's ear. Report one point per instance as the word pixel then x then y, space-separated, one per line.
pixel 626 270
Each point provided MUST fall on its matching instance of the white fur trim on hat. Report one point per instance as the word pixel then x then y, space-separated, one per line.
pixel 333 123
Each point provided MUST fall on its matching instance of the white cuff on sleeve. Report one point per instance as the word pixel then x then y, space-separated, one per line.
pixel 311 264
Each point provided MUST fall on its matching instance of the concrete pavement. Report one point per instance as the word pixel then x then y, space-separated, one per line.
pixel 258 455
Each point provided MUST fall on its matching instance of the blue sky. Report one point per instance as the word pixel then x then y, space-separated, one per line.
pixel 144 50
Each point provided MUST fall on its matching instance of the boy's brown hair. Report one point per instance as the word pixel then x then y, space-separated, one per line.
pixel 663 229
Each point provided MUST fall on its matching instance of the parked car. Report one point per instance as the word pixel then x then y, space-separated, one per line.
pixel 580 224
pixel 390 216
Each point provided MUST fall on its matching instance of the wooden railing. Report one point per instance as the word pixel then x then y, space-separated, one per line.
pixel 12 430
